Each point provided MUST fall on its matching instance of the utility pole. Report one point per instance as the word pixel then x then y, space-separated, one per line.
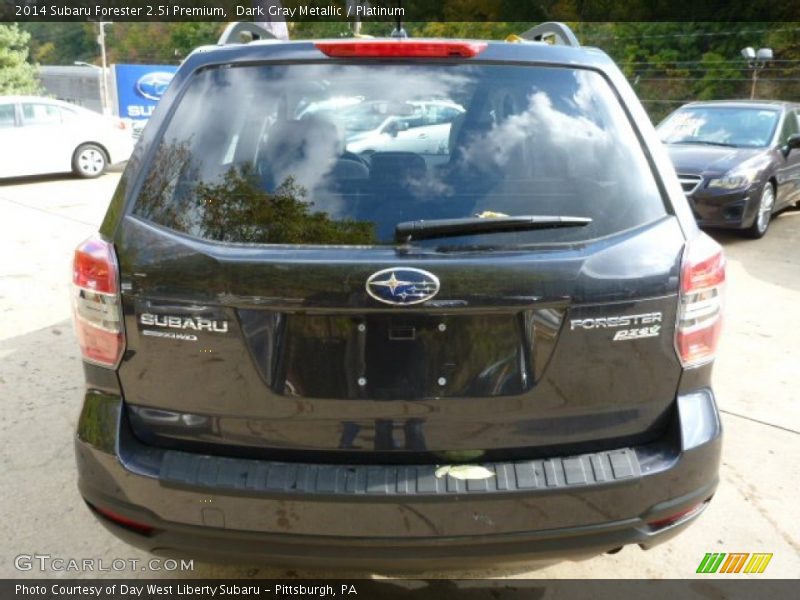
pixel 355 25
pixel 756 61
pixel 101 39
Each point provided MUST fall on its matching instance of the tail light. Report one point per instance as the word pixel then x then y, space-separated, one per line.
pixel 123 521
pixel 96 303
pixel 401 49
pixel 701 300
pixel 681 516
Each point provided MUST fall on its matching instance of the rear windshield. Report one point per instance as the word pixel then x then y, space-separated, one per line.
pixel 340 154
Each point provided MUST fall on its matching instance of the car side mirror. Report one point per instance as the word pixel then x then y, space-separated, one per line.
pixel 793 143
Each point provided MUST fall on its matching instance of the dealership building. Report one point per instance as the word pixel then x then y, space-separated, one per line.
pixel 133 90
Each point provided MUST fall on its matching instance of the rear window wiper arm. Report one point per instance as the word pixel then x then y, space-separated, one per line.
pixel 439 228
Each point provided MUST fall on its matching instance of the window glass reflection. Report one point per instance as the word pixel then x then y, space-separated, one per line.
pixel 339 154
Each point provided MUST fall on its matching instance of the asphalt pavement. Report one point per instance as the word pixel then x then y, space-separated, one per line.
pixel 41 384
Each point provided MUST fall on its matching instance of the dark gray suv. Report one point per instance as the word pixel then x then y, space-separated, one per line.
pixel 493 351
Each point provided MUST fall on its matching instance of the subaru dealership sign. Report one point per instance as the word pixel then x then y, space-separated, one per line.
pixel 139 88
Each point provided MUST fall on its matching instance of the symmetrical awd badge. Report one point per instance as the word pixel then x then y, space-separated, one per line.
pixel 398 286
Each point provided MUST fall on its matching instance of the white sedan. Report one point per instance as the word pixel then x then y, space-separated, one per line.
pixel 42 135
pixel 395 135
pixel 424 130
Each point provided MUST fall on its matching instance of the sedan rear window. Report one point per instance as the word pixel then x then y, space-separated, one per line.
pixel 340 154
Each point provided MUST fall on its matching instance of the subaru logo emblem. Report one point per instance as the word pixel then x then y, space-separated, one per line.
pixel 153 85
pixel 400 286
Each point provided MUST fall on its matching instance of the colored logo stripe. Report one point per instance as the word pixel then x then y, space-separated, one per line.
pixel 758 563
pixel 734 562
pixel 713 562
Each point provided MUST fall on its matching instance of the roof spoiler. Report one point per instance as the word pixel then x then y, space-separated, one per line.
pixel 560 33
pixel 243 32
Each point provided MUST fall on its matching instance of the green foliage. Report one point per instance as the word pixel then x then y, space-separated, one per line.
pixel 17 75
pixel 62 43
pixel 155 42
pixel 715 78
pixel 473 30
pixel 315 30
pixel 186 37
pixel 670 63
pixel 674 63
pixel 238 210
pixel 140 43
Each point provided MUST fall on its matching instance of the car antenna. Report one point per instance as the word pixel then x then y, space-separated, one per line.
pixel 398 31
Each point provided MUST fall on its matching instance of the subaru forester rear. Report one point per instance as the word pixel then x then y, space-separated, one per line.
pixel 486 339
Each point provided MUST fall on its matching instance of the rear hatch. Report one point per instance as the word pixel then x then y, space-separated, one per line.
pixel 286 296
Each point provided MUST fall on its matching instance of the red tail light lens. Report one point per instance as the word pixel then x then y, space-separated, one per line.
pixel 96 303
pixel 683 515
pixel 95 266
pixel 400 49
pixel 701 301
pixel 123 521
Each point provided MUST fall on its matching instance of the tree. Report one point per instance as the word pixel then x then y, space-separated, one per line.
pixel 674 63
pixel 62 43
pixel 17 75
pixel 158 42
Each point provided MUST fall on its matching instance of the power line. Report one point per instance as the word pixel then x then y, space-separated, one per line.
pixel 702 62
pixel 717 79
pixel 688 34
pixel 702 72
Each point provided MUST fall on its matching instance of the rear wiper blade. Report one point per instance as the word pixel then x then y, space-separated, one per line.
pixel 438 228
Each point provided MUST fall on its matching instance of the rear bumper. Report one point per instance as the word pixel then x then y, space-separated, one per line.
pixel 396 517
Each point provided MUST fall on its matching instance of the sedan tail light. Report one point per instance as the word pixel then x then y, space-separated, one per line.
pixel 701 301
pixel 96 303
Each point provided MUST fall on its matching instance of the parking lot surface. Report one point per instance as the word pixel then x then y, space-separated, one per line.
pixel 41 383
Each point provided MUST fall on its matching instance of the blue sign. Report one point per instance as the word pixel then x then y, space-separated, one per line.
pixel 139 88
